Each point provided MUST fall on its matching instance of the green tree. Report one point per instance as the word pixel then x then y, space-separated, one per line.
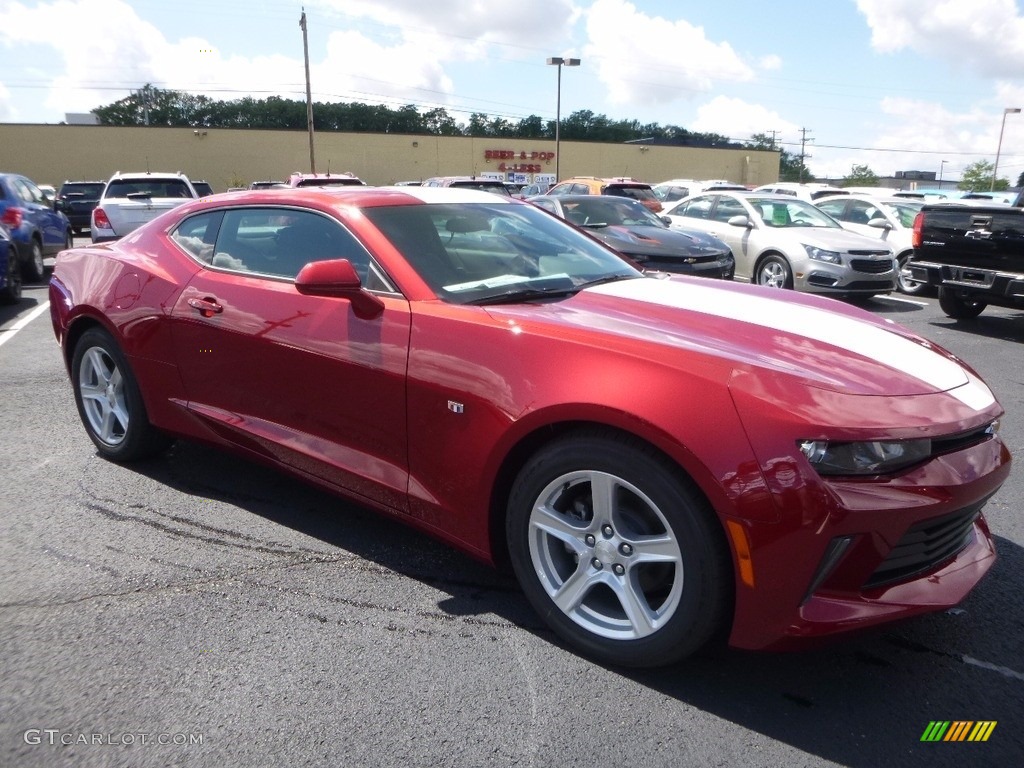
pixel 977 177
pixel 860 175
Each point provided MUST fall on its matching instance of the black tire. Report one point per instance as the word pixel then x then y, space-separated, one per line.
pixel 33 269
pixel 69 240
pixel 11 293
pixel 109 402
pixel 959 308
pixel 905 283
pixel 774 271
pixel 560 543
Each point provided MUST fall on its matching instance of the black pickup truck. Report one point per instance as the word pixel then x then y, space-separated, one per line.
pixel 973 253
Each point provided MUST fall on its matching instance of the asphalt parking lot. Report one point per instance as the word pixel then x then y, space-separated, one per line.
pixel 200 610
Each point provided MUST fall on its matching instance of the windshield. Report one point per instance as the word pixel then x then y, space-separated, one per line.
pixel 784 213
pixel 634 192
pixel 476 252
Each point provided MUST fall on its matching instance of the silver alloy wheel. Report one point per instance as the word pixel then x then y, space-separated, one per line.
pixel 773 274
pixel 908 284
pixel 103 396
pixel 605 555
pixel 36 264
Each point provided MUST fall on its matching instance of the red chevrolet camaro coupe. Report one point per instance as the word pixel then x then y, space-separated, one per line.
pixel 660 460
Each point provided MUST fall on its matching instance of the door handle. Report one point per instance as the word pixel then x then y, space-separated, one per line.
pixel 207 307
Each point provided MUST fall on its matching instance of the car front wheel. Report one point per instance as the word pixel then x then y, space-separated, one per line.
pixel 109 401
pixel 623 559
pixel 775 273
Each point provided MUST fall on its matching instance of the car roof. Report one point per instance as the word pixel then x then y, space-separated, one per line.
pixel 356 195
pixel 149 175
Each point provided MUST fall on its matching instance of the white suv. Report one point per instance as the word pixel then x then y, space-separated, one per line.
pixel 129 200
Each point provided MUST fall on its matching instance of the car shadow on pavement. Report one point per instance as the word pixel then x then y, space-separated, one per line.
pixel 862 702
pixel 1003 327
pixel 9 312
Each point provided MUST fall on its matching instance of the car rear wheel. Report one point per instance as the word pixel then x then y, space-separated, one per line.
pixel 33 269
pixel 109 401
pixel 623 559
pixel 959 308
pixel 774 272
pixel 11 292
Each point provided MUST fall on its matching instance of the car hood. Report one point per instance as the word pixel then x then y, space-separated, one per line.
pixel 651 239
pixel 822 342
pixel 837 239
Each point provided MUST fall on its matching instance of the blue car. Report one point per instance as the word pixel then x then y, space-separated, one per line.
pixel 10 270
pixel 38 231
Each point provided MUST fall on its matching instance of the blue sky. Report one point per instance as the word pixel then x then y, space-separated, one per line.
pixel 892 84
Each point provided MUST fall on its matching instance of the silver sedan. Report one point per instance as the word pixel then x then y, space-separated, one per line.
pixel 786 243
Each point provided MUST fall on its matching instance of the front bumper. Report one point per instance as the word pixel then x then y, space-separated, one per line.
pixel 914 544
pixel 822 277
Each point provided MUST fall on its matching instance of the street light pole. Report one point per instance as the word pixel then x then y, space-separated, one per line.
pixel 999 147
pixel 941 166
pixel 559 62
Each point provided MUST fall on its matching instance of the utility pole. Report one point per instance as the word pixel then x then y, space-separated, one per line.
pixel 803 154
pixel 309 94
pixel 773 135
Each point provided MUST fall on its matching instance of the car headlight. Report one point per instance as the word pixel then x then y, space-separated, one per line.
pixel 870 457
pixel 820 254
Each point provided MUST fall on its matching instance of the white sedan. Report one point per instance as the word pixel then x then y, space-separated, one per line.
pixel 890 219
pixel 787 243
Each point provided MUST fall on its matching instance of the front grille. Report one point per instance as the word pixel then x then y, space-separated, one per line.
pixel 871 267
pixel 926 546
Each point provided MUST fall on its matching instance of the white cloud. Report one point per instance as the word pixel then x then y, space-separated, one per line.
pixel 375 72
pixel 984 35
pixel 740 120
pixel 644 60
pixel 7 111
pixel 465 26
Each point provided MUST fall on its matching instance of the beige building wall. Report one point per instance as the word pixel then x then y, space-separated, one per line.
pixel 50 154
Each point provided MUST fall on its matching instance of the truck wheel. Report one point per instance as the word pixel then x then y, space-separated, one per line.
pixel 959 308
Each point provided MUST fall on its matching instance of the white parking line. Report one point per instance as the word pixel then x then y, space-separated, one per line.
pixel 1004 671
pixel 903 300
pixel 6 334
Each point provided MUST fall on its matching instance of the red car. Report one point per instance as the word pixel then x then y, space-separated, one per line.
pixel 660 460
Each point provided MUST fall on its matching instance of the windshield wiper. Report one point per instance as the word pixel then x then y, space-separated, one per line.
pixel 525 294
pixel 603 280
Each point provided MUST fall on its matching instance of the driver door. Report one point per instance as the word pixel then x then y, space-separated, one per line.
pixel 296 378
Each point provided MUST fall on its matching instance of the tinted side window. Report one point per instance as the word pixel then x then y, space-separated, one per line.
pixel 198 234
pixel 698 208
pixel 833 208
pixel 280 242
